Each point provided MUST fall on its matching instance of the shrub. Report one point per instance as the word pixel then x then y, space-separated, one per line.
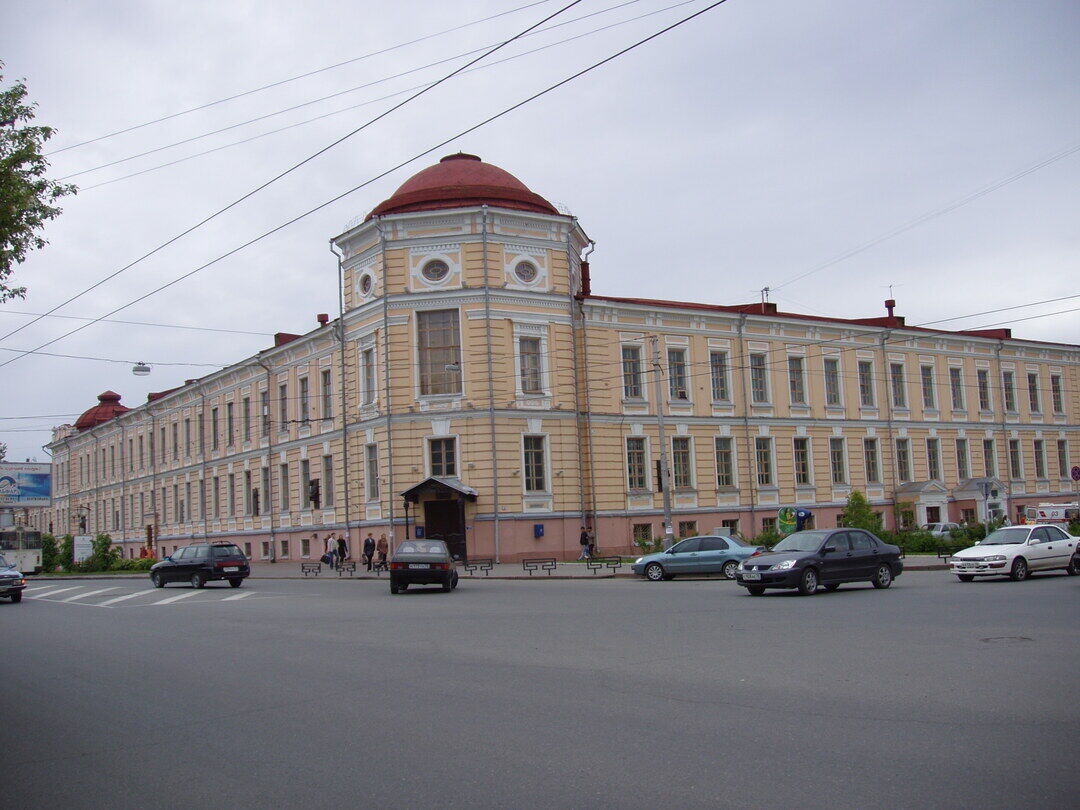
pixel 859 515
pixel 67 553
pixel 141 564
pixel 768 538
pixel 50 553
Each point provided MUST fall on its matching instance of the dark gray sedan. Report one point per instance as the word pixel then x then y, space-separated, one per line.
pixel 422 562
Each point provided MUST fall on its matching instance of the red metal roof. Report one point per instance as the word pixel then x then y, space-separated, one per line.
pixel 107 408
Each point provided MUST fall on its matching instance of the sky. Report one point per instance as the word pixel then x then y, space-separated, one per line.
pixel 827 150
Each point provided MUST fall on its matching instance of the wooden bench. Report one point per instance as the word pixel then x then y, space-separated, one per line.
pixel 346 568
pixel 310 568
pixel 600 563
pixel 484 564
pixel 539 564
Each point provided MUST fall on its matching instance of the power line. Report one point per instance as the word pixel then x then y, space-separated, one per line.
pixel 356 188
pixel 293 168
pixel 1003 309
pixel 107 359
pixel 136 323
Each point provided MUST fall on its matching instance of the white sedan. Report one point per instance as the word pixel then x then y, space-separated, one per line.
pixel 1016 552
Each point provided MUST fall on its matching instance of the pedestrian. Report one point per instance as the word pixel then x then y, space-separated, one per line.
pixel 342 550
pixel 585 544
pixel 382 547
pixel 369 550
pixel 330 550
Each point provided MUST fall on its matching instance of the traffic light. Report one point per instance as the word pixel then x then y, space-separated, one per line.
pixel 314 494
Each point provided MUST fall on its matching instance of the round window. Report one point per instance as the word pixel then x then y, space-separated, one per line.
pixel 435 270
pixel 526 272
pixel 365 284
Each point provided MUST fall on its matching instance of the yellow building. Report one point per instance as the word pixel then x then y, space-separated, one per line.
pixel 475 389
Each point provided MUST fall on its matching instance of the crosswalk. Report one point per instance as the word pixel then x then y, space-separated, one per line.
pixel 119 596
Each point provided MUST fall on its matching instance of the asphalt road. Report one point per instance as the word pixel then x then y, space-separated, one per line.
pixel 617 693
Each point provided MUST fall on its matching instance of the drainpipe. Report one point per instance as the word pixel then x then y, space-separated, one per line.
pixel 386 382
pixel 270 464
pixel 491 383
pixel 584 410
pixel 200 423
pixel 889 429
pixel 750 475
pixel 341 386
pixel 1007 478
pixel 665 475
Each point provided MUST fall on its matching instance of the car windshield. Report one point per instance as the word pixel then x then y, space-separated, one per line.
pixel 1006 537
pixel 422 547
pixel 801 541
pixel 4 563
pixel 735 541
pixel 227 551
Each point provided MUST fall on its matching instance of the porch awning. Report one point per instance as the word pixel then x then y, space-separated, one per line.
pixel 442 485
pixel 978 487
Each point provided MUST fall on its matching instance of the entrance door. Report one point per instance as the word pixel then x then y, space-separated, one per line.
pixel 444 520
pixel 933 514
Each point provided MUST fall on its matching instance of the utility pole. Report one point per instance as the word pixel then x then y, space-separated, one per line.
pixel 665 477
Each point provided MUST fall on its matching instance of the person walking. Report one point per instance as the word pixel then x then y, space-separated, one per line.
pixel 382 548
pixel 330 549
pixel 342 550
pixel 369 550
pixel 585 544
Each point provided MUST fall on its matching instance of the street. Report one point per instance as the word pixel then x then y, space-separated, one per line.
pixel 547 693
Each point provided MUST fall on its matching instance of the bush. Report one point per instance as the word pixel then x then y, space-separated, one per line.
pixel 859 515
pixel 768 538
pixel 67 553
pixel 650 546
pixel 141 564
pixel 50 553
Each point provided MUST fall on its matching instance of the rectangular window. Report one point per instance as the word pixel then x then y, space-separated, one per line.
pixel 284 549
pixel 245 417
pixel 802 461
pixel 131 455
pixel 676 360
pixel 681 464
pixel 837 460
pixel 933 459
pixel 326 392
pixel 903 460
pixel 232 494
pixel 832 382
pixel 162 449
pixel 983 378
pixel 1008 388
pixel 142 459
pixel 305 484
pixel 529 358
pixel 718 366
pixel 230 424
pixel 305 547
pixel 213 431
pixel 283 487
pixel 636 472
pixel 265 506
pixel 725 462
pixel 929 396
pixel 796 380
pixel 759 380
pixel 1040 459
pixel 202 433
pixel 186 508
pixel 989 458
pixel 732 525
pixel 1033 393
pixel 642 533
pixel 367 376
pixel 442 453
pixel 1055 393
pixel 283 406
pixel 631 370
pixel 175 431
pixel 371 470
pixel 896 377
pixel 535 474
pixel 963 465
pixel 249 504
pixel 327 481
pixel 305 404
pixel 763 456
pixel 187 437
pixel 217 496
pixel 264 408
pixel 687 528
pixel 871 461
pixel 956 386
pixel 1016 468
pixel 866 384
pixel 439 345
pixel 1063 458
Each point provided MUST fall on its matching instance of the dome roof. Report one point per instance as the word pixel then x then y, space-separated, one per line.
pixel 108 407
pixel 462 180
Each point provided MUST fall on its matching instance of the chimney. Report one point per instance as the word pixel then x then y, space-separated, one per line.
pixel 890 305
pixel 586 281
pixel 322 318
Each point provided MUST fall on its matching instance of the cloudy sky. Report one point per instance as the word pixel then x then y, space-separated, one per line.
pixel 756 143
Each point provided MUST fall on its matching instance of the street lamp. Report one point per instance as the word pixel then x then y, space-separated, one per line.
pixel 140 369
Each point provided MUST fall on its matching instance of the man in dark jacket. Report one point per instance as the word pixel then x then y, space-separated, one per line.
pixel 369 550
pixel 586 543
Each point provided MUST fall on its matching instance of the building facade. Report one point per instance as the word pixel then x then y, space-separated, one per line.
pixel 474 388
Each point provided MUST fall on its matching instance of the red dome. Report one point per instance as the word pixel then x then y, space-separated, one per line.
pixel 108 407
pixel 462 180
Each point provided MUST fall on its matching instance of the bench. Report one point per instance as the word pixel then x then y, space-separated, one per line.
pixel 600 563
pixel 484 564
pixel 539 564
pixel 378 566
pixel 346 568
pixel 310 568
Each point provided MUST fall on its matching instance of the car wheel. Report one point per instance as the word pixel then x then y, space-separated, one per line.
pixel 965 577
pixel 808 582
pixel 393 587
pixel 404 586
pixel 454 581
pixel 832 586
pixel 1019 570
pixel 447 585
pixel 755 590
pixel 197 580
pixel 235 583
pixel 883 576
pixel 730 567
pixel 1073 568
pixel 654 572
pixel 16 597
pixel 157 579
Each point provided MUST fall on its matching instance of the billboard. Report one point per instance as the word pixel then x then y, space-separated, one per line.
pixel 24 485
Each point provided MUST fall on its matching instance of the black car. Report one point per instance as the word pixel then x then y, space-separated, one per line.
pixel 202 563
pixel 12 582
pixel 422 562
pixel 828 557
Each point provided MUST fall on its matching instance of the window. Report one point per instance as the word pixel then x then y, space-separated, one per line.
pixel 933 459
pixel 989 458
pixel 725 462
pixel 963 466
pixel 535 474
pixel 264 493
pixel 631 370
pixel 759 381
pixel 929 396
pixel 202 433
pixel 718 366
pixel 903 460
pixel 768 524
pixel 896 377
pixel 249 501
pixel 837 462
pixel 1040 459
pixel 283 406
pixel 983 378
pixel 232 494
pixel 529 358
pixel 676 359
pixel 264 408
pixel 731 524
pixel 1033 393
pixel 284 549
pixel 283 488
pixel 217 496
pixel 681 462
pixel 763 455
pixel 956 386
pixel 435 270
pixel 688 528
pixel 305 404
pixel 1009 390
pixel 802 461
pixel 305 547
pixel 796 380
pixel 305 484
pixel 1016 469
pixel 371 471
pixel 175 430
pixel 526 272
pixel 187 437
pixel 866 383
pixel 439 345
pixel 327 481
pixel 265 550
pixel 832 382
pixel 1063 458
pixel 871 461
pixel 230 424
pixel 1055 393
pixel 442 456
pixel 636 465
pixel 142 460
pixel 213 433
pixel 642 533
pixel 367 376
pixel 326 389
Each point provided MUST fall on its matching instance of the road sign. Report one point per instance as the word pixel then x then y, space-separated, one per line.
pixel 1076 472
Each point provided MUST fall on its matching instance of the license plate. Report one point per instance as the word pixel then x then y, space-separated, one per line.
pixel 966 565
pixel 231 568
pixel 419 565
pixel 751 575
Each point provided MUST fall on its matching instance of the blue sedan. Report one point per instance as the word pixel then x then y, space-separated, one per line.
pixel 696 555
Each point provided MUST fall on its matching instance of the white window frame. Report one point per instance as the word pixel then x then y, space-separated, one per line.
pixel 429 465
pixel 869 388
pixel 640 373
pixel 546 488
pixel 809 482
pixel 733 449
pixel 933 459
pixel 839 381
pixel 844 473
pixel 528 331
pixel 872 471
pixel 752 369
pixel 797 379
pixel 723 380
pixel 770 460
pixel 626 460
pixel 956 388
pixel 691 461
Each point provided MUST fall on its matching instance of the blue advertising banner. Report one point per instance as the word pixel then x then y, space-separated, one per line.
pixel 25 484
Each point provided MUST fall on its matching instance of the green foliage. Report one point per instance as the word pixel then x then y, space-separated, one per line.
pixel 1074 528
pixel 3 451
pixel 140 564
pixel 103 556
pixel 27 197
pixel 768 538
pixel 650 546
pixel 859 515
pixel 67 553
pixel 50 553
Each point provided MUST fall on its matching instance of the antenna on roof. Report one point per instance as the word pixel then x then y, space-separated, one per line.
pixel 765 294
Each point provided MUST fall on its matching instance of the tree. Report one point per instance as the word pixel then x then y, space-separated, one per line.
pixel 3 451
pixel 27 197
pixel 859 515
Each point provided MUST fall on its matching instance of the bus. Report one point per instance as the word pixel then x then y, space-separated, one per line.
pixel 22 548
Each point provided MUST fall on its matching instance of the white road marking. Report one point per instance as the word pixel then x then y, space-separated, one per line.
pixel 51 594
pixel 237 596
pixel 116 599
pixel 172 599
pixel 41 588
pixel 88 593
